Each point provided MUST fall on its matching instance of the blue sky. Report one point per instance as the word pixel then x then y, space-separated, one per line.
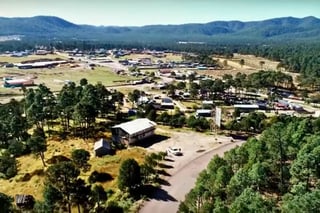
pixel 146 12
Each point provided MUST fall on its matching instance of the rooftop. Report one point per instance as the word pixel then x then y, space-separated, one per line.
pixel 207 102
pixel 41 63
pixel 199 111
pixel 101 143
pixel 246 106
pixel 136 125
pixel 166 100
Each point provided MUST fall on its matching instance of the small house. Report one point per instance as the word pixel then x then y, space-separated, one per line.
pixel 24 201
pixel 204 113
pixel 167 103
pixel 133 131
pixel 102 147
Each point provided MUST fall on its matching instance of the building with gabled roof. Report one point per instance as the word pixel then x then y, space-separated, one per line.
pixel 102 147
pixel 130 132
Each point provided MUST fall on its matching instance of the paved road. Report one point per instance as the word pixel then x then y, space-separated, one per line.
pixel 167 199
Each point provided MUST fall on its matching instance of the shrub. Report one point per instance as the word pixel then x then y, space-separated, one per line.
pixel 8 166
pixel 16 148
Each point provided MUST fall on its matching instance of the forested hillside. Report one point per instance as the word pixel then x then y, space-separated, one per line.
pixel 291 41
pixel 53 28
pixel 298 58
pixel 278 172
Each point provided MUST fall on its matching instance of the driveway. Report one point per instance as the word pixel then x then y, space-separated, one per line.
pixel 185 172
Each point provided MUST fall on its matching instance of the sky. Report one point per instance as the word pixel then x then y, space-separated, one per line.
pixel 148 12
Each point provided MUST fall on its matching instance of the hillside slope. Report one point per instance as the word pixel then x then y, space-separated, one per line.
pixel 277 29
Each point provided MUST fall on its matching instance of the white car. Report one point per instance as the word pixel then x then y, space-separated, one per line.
pixel 174 150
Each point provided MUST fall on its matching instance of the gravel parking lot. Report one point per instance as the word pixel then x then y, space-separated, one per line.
pixel 198 149
pixel 193 144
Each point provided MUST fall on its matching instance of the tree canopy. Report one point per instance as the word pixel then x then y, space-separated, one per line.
pixel 276 172
pixel 129 175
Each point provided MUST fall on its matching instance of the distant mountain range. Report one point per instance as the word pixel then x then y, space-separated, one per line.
pixel 54 28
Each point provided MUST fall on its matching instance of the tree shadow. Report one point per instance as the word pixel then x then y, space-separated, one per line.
pixel 163 182
pixel 165 166
pixel 99 177
pixel 58 159
pixel 151 140
pixel 163 172
pixel 157 193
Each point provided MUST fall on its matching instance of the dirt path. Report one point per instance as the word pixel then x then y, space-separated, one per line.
pixel 182 180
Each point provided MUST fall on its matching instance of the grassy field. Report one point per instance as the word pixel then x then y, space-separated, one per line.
pixel 169 57
pixel 5 58
pixel 32 166
pixel 126 89
pixel 54 78
pixel 190 104
pixel 254 62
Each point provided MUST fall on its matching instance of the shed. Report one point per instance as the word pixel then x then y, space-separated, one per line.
pixel 24 201
pixel 102 147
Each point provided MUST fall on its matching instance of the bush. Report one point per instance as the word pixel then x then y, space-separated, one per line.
pixel 80 157
pixel 113 207
pixel 16 148
pixel 8 166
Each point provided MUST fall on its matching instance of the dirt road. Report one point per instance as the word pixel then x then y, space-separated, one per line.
pixel 167 199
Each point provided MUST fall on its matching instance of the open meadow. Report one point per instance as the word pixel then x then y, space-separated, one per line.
pixel 55 78
pixel 9 59
pixel 168 57
pixel 31 172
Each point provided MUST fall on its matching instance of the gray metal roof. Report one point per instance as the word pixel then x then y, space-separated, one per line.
pixel 101 143
pixel 136 125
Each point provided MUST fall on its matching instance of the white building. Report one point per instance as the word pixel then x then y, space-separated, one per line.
pixel 133 131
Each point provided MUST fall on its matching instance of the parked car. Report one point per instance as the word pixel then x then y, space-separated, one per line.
pixel 174 150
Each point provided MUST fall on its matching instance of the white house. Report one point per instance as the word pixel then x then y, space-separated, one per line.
pixel 133 131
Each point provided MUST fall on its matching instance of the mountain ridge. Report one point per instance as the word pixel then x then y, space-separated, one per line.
pixel 51 27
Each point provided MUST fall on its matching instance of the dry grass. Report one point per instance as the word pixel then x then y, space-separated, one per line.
pixel 5 58
pixel 222 72
pixel 191 103
pixel 111 164
pixel 168 57
pixel 254 62
pixel 30 164
pixel 252 65
pixel 173 57
pixel 54 78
